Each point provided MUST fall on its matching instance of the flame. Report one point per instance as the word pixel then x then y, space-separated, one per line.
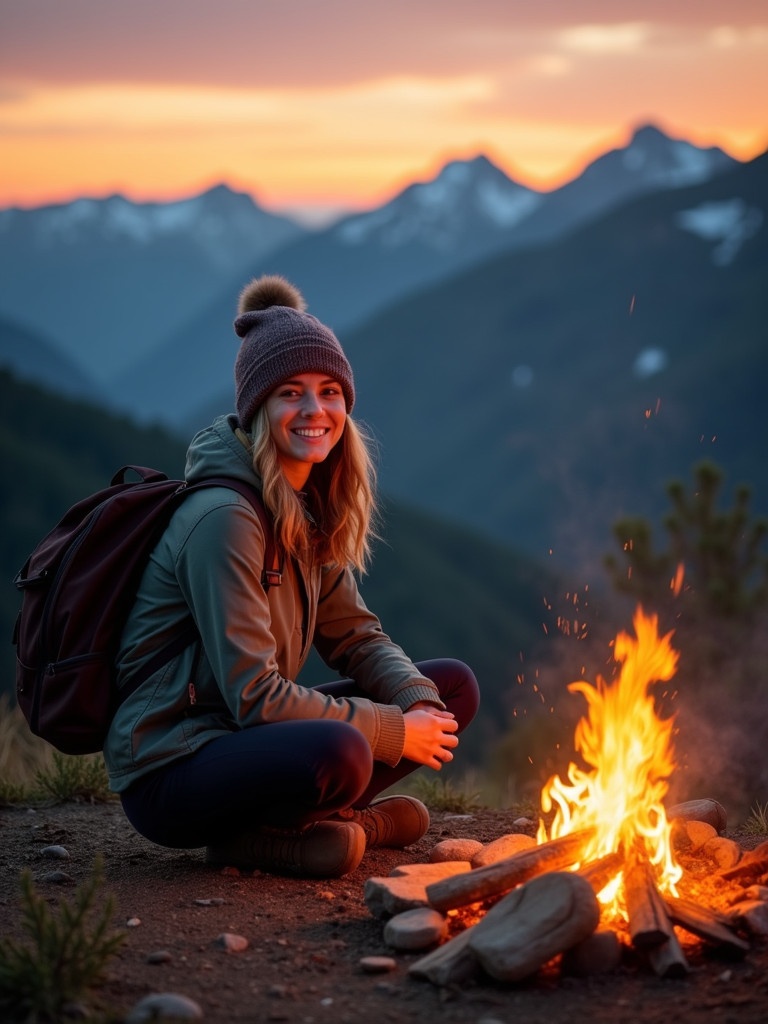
pixel 627 749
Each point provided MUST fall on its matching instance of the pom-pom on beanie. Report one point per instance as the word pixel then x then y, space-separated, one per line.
pixel 280 341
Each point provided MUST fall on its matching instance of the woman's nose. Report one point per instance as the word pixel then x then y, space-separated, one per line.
pixel 311 405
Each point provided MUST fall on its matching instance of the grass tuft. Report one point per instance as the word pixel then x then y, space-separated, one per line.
pixel 74 778
pixel 757 823
pixel 65 956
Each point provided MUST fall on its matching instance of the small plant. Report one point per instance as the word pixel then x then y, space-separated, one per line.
pixel 66 956
pixel 74 778
pixel 22 754
pixel 442 795
pixel 757 823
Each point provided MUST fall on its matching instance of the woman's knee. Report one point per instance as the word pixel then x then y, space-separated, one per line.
pixel 457 686
pixel 343 764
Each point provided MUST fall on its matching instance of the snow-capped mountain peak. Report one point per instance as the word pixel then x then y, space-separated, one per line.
pixel 670 163
pixel 465 197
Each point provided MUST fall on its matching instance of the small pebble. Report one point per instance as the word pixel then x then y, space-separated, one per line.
pixel 231 943
pixel 160 956
pixel 164 1006
pixel 58 878
pixel 215 902
pixel 133 922
pixel 378 964
pixel 55 852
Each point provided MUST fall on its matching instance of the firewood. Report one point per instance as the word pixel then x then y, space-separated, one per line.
pixel 668 959
pixel 533 924
pixel 453 963
pixel 649 923
pixel 600 872
pixel 496 879
pixel 705 924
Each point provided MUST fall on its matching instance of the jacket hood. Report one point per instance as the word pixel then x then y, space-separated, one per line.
pixel 217 451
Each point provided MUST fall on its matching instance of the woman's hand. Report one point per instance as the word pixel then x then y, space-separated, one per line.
pixel 429 735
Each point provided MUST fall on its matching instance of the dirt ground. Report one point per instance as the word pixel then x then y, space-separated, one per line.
pixel 306 939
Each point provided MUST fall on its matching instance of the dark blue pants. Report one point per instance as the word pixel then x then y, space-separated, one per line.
pixel 285 774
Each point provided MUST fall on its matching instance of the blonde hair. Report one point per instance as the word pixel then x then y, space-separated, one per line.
pixel 334 520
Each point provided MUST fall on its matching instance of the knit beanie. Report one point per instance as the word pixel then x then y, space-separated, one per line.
pixel 280 341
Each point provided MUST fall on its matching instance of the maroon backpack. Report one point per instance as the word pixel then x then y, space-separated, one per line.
pixel 78 586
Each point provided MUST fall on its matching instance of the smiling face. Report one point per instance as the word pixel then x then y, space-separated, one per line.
pixel 306 416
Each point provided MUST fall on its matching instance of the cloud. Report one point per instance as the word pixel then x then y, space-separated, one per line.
pixel 627 37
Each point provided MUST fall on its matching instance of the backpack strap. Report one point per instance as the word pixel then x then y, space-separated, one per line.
pixel 271 575
pixel 272 572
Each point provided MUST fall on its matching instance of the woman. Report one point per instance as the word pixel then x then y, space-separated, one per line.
pixel 220 747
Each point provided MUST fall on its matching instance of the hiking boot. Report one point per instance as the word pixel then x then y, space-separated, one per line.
pixel 326 849
pixel 395 821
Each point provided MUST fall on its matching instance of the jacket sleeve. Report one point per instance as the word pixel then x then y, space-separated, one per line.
pixel 218 567
pixel 349 638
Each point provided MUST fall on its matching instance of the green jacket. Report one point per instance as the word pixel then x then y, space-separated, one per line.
pixel 208 564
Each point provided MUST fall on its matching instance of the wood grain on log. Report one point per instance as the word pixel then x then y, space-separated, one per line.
pixel 450 964
pixel 496 879
pixel 535 923
pixel 600 872
pixel 705 924
pixel 649 923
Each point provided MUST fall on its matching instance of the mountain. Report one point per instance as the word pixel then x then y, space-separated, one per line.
pixel 546 393
pixel 34 359
pixel 54 451
pixel 107 279
pixel 427 233
pixel 652 162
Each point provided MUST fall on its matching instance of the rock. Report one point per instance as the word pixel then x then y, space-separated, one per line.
pixel 164 1006
pixel 455 849
pixel 231 943
pixel 756 892
pixel 753 915
pixel 215 902
pixel 55 852
pixel 725 852
pixel 419 928
pixel 378 964
pixel 160 956
pixel 752 865
pixel 58 878
pixel 699 832
pixel 407 889
pixel 533 923
pixel 598 953
pixel 709 811
pixel 499 849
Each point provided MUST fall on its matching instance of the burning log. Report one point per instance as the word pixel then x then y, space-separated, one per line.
pixel 649 923
pixel 706 924
pixel 650 927
pixel 497 879
pixel 600 872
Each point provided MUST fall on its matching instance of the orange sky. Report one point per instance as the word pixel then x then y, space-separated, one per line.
pixel 339 103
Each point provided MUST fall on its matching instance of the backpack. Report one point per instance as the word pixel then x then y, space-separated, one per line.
pixel 78 586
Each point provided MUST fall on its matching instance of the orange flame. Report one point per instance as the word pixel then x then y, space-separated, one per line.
pixel 628 752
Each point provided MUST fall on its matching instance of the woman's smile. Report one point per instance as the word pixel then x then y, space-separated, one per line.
pixel 306 417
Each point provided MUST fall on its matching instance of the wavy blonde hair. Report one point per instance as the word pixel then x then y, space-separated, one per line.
pixel 334 520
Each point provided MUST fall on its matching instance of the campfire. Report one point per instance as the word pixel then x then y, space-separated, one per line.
pixel 601 875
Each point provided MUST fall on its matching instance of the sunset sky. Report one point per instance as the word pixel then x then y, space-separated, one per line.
pixel 326 104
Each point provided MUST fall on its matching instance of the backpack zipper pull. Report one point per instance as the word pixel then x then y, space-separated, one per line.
pixel 192 694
